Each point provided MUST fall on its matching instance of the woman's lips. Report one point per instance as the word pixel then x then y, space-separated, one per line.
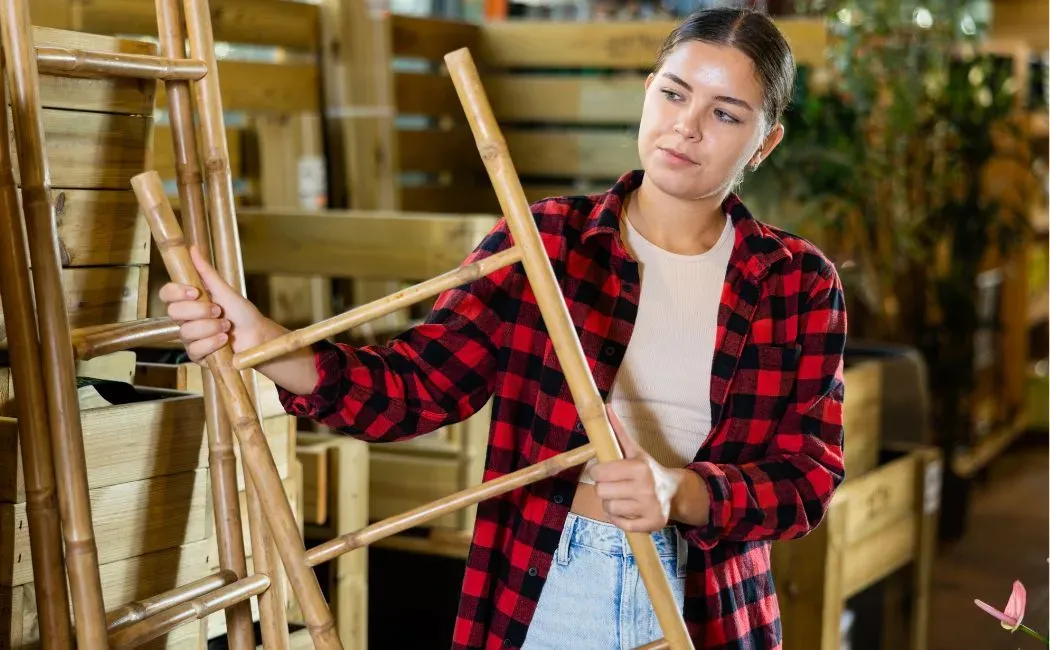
pixel 677 157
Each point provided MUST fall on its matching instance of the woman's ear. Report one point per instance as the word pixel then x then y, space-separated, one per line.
pixel 649 80
pixel 768 145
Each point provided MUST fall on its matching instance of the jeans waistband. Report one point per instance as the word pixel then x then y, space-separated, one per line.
pixel 607 538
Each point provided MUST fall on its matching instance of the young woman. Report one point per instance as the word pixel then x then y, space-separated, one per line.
pixel 717 341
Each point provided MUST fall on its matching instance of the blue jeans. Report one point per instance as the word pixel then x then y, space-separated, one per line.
pixel 594 596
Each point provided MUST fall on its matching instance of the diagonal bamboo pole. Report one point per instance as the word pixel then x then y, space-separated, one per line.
pixel 204 605
pixel 222 463
pixel 538 269
pixel 45 534
pixel 56 352
pixel 377 308
pixel 255 454
pixel 141 610
pixel 272 608
pixel 97 340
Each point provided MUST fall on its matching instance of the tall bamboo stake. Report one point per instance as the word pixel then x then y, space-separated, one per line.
pixel 255 453
pixel 538 269
pixel 222 465
pixel 57 353
pixel 223 221
pixel 45 534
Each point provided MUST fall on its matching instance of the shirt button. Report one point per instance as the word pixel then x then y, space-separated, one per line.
pixel 532 571
pixel 609 350
pixel 558 498
pixel 628 287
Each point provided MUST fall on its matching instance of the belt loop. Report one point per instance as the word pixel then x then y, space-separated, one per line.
pixel 561 555
pixel 683 552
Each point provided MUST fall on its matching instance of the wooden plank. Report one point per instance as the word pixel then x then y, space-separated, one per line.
pixel 530 98
pixel 431 38
pixel 54 13
pixel 879 498
pixel 878 555
pixel 547 153
pixel 470 198
pixel 263 22
pixel 164 152
pixel 264 87
pixel 314 459
pixel 123 443
pixel 1022 19
pixel 97 295
pixel 111 94
pixel 362 244
pixel 129 519
pixel 611 45
pixel 101 227
pixel 92 150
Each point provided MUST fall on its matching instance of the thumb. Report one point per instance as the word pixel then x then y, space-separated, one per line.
pixel 627 443
pixel 218 288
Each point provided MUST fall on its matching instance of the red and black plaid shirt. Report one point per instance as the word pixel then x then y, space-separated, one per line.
pixel 771 462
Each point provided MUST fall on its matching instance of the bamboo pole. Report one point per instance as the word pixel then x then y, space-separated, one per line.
pixel 222 463
pixel 462 499
pixel 377 308
pixel 45 534
pixel 142 609
pixel 205 605
pixel 538 269
pixel 272 608
pixel 70 62
pixel 97 340
pixel 56 352
pixel 255 454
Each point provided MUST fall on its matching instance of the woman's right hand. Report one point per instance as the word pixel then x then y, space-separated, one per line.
pixel 206 325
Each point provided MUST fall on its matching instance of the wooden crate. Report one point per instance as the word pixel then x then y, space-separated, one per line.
pixel 877 524
pixel 149 489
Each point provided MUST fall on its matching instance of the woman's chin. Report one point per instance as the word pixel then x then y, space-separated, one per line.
pixel 686 184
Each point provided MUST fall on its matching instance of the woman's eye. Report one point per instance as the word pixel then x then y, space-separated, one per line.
pixel 671 95
pixel 726 117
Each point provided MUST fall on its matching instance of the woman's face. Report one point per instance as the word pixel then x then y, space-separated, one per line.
pixel 702 121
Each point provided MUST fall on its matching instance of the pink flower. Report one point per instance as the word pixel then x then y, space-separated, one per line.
pixel 1010 618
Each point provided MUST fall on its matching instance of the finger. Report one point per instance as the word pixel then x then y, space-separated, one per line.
pixel 623 508
pixel 619 470
pixel 188 310
pixel 173 291
pixel 209 276
pixel 641 525
pixel 202 348
pixel 201 329
pixel 620 490
pixel 627 443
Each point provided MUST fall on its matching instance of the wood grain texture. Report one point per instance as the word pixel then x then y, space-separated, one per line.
pixel 430 38
pixel 265 87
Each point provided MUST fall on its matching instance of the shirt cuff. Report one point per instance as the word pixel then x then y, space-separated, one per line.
pixel 707 536
pixel 330 361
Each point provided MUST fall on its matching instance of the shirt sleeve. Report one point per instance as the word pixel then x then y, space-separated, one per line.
pixel 436 373
pixel 786 494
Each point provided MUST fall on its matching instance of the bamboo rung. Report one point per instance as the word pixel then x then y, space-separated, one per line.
pixel 68 61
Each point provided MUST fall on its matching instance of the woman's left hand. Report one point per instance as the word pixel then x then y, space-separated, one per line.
pixel 636 492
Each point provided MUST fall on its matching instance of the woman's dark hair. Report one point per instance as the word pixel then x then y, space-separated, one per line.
pixel 755 35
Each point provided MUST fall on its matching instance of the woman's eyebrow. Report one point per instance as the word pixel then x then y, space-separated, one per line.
pixel 722 98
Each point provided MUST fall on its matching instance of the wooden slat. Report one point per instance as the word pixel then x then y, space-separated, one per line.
pixel 123 443
pixel 101 227
pixel 546 153
pixel 264 87
pixel 473 199
pixel 1022 19
pixel 129 519
pixel 112 94
pixel 92 150
pixel 430 38
pixel 164 153
pixel 264 22
pixel 613 45
pixel 376 244
pixel 53 13
pixel 98 295
pixel 530 98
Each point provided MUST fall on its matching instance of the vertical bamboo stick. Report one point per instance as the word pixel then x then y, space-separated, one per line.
pixel 45 534
pixel 500 168
pixel 57 352
pixel 272 603
pixel 222 461
pixel 255 453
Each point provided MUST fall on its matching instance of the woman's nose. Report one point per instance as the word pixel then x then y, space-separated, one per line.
pixel 688 132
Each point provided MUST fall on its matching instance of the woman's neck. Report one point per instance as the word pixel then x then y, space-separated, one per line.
pixel 685 227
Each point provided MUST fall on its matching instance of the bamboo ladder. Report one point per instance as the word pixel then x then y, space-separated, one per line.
pixel 45 370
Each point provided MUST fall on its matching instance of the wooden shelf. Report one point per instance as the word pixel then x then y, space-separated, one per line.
pixel 968 461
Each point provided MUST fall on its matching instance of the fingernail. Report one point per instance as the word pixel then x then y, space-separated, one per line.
pixel 215 311
pixel 225 325
pixel 192 293
pixel 222 338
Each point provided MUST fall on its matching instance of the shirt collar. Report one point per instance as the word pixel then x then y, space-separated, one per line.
pixel 757 246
